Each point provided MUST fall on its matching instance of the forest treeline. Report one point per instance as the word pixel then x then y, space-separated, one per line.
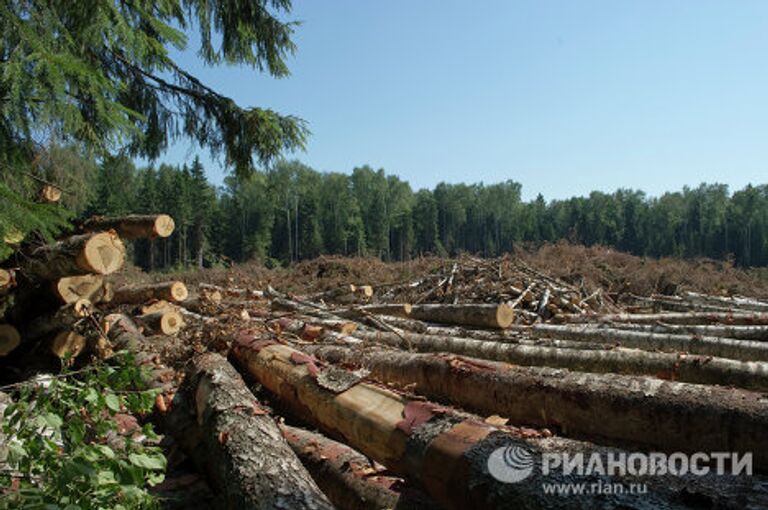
pixel 294 212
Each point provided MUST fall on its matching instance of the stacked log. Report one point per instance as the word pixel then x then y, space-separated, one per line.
pixel 443 451
pixel 134 226
pixel 53 296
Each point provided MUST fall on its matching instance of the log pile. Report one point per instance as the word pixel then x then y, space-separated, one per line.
pixel 398 395
pixel 54 295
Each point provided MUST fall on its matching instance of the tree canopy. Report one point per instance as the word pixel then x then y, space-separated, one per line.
pixel 294 212
pixel 98 76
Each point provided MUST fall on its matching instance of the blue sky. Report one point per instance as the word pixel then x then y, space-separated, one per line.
pixel 562 96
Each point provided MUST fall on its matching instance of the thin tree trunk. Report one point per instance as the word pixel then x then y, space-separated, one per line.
pixel 746 350
pixel 735 318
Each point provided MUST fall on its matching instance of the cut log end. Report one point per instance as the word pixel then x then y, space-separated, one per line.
pixel 103 253
pixel 82 307
pixel 505 316
pixel 9 339
pixel 165 322
pixel 50 193
pixel 72 288
pixel 68 343
pixel 171 322
pixel 365 291
pixel 6 278
pixel 164 226
pixel 179 291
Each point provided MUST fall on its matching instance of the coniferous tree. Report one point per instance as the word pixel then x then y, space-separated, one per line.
pixel 100 77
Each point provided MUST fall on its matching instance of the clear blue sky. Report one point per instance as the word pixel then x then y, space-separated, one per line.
pixel 562 96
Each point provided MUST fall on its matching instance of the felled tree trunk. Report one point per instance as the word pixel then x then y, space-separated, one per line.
pixel 449 454
pixel 349 479
pixel 236 443
pixel 722 347
pixel 133 226
pixel 99 253
pixel 734 318
pixel 397 310
pixel 737 332
pixel 512 336
pixel 641 411
pixel 678 367
pixel 92 287
pixel 480 315
pixel 9 339
pixel 166 322
pixel 174 291
pixel 734 302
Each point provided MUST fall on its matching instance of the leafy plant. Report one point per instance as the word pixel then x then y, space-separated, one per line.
pixel 65 447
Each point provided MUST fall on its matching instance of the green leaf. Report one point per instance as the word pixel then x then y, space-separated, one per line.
pixel 113 402
pixel 146 461
pixel 91 396
pixel 105 450
pixel 53 420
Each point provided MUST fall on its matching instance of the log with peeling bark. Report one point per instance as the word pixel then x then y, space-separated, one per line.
pixel 165 322
pixel 678 367
pixel 445 452
pixel 231 438
pixel 746 350
pixel 480 315
pixel 9 339
pixel 173 291
pixel 98 253
pixel 350 479
pixel 133 226
pixel 642 411
pixel 90 286
pixel 732 318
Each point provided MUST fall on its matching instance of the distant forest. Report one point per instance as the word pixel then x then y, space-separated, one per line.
pixel 294 212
